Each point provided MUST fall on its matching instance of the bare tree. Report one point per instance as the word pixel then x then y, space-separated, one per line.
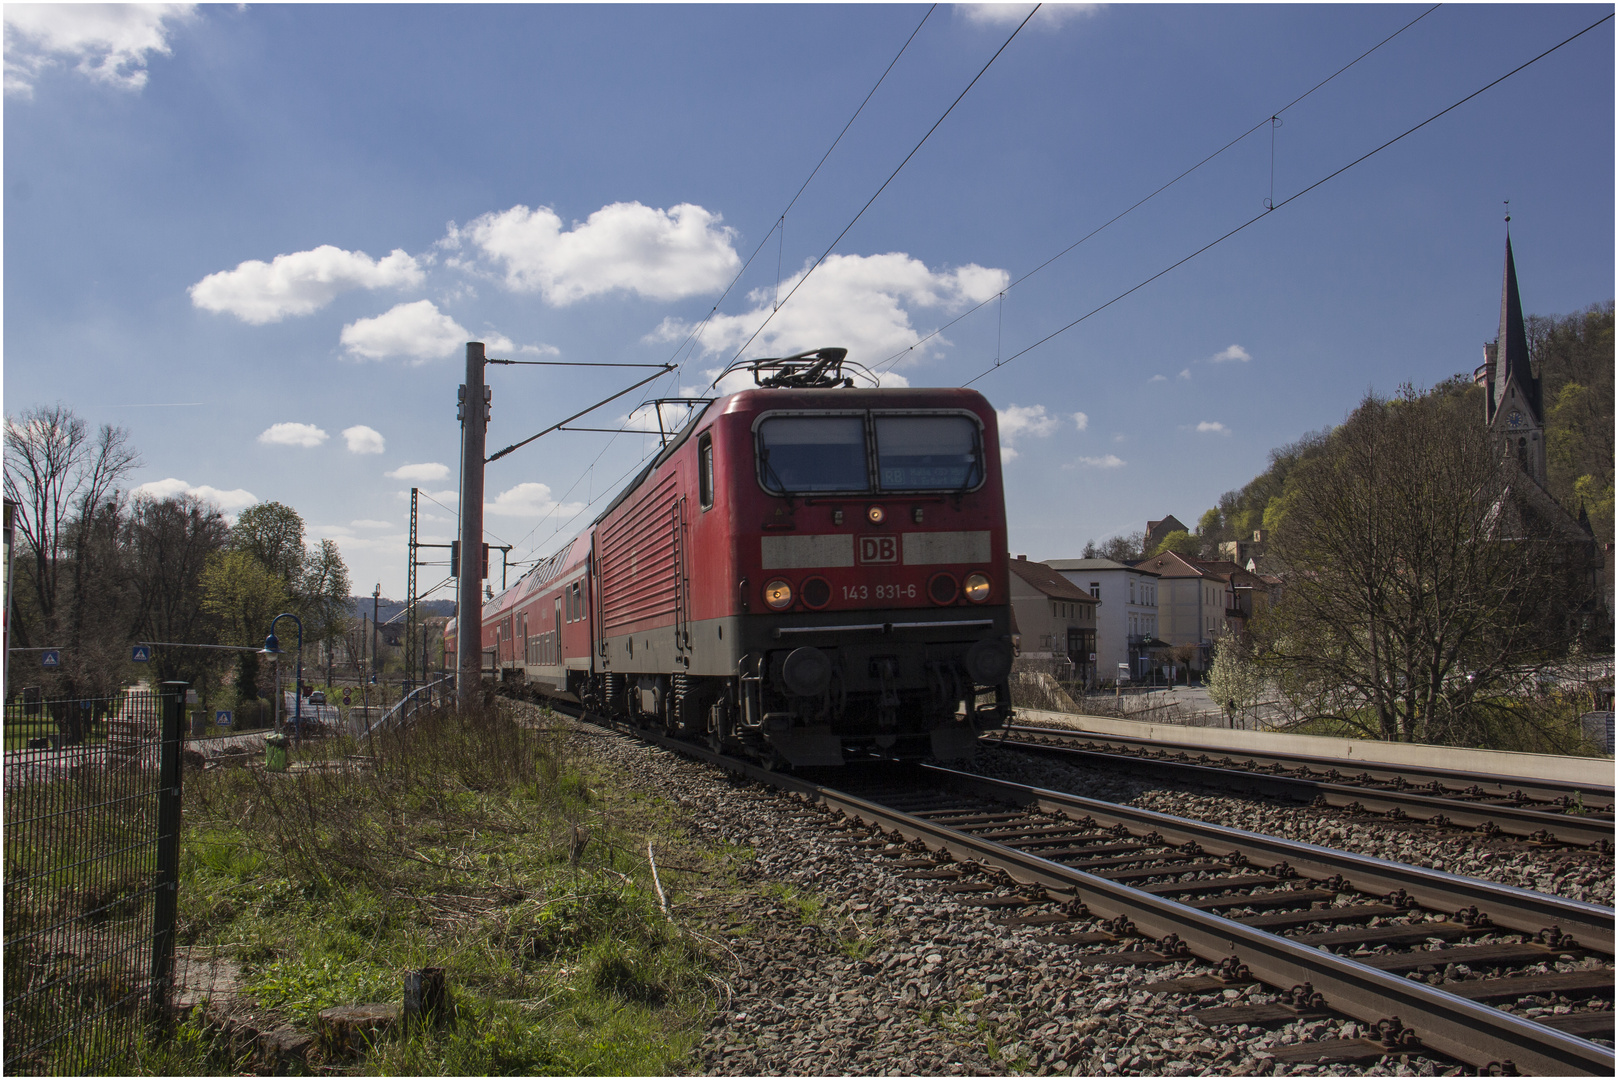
pixel 170 541
pixel 1421 590
pixel 73 576
pixel 56 474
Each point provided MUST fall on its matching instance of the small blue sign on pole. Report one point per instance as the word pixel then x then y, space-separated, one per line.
pixel 221 717
pixel 140 654
pixel 50 658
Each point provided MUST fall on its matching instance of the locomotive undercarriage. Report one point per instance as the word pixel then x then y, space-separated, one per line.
pixel 821 704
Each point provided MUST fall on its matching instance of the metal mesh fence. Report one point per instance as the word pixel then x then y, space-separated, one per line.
pixel 91 842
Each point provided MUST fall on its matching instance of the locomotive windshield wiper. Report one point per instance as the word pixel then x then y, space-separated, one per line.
pixel 769 471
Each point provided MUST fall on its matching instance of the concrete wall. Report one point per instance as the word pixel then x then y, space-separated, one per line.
pixel 1597 772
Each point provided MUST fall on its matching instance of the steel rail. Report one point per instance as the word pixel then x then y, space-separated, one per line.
pixel 1474 1033
pixel 1502 785
pixel 1583 830
pixel 1465 1030
pixel 1516 909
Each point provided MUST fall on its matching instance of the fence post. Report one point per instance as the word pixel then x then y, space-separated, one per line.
pixel 165 900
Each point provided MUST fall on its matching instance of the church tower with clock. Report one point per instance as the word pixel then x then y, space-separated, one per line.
pixel 1513 404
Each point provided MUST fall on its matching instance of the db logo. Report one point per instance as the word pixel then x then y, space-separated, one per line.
pixel 878 549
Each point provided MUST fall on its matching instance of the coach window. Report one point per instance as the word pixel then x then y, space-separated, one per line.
pixel 705 471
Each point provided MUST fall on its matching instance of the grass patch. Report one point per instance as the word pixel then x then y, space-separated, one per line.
pixel 474 843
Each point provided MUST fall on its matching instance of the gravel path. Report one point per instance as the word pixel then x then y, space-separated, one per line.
pixel 839 966
pixel 1573 873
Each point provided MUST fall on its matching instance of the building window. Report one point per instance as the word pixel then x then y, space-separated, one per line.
pixel 1095 589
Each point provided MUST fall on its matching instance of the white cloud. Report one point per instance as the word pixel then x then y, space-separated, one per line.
pixel 417 331
pixel 227 501
pixel 1214 426
pixel 1049 16
pixel 264 292
pixel 1185 373
pixel 1081 421
pixel 1120 437
pixel 529 500
pixel 425 472
pixel 1018 420
pixel 662 254
pixel 364 440
pixel 860 302
pixel 107 43
pixel 1158 378
pixel 368 523
pixel 290 434
pixel 1235 352
pixel 1107 461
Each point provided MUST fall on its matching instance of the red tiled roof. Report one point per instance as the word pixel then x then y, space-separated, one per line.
pixel 1048 581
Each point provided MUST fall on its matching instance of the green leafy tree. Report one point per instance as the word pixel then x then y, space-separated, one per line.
pixel 1180 542
pixel 244 596
pixel 273 534
pixel 324 590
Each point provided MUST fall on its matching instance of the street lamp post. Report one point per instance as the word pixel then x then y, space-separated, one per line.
pixel 272 647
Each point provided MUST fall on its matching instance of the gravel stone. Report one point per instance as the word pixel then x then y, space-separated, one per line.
pixel 1578 874
pixel 894 977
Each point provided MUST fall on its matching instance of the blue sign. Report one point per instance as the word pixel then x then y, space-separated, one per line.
pixel 50 658
pixel 221 717
pixel 140 654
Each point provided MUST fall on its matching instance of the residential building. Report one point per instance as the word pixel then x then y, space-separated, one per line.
pixel 1126 620
pixel 1244 553
pixel 1195 603
pixel 1055 619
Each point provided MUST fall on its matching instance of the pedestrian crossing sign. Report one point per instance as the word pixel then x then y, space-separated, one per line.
pixel 140 654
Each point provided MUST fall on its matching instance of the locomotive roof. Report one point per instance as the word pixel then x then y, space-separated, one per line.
pixel 769 397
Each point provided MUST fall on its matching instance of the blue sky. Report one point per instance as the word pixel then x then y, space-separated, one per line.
pixel 295 216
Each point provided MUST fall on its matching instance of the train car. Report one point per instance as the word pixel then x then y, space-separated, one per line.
pixel 807 572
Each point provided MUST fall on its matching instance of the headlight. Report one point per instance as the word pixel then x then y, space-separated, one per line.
pixel 778 594
pixel 875 514
pixel 976 587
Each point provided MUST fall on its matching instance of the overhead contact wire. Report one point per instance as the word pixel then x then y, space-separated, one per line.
pixel 1297 195
pixel 1143 201
pixel 827 253
pixel 696 332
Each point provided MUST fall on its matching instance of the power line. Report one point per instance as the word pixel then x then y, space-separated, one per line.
pixel 696 331
pixel 1141 202
pixel 824 255
pixel 1268 210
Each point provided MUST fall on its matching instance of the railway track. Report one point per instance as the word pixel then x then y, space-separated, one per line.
pixel 1398 948
pixel 1536 810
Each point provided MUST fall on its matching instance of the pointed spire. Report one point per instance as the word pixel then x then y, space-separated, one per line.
pixel 1511 348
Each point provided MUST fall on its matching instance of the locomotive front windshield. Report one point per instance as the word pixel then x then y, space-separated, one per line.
pixel 927 453
pixel 813 453
pixel 829 453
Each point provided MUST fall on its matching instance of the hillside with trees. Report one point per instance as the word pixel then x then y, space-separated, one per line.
pixel 1573 356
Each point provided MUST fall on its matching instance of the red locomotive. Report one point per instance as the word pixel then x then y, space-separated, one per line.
pixel 807 571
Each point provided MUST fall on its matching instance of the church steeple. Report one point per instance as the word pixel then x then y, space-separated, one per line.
pixel 1511 347
pixel 1513 401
